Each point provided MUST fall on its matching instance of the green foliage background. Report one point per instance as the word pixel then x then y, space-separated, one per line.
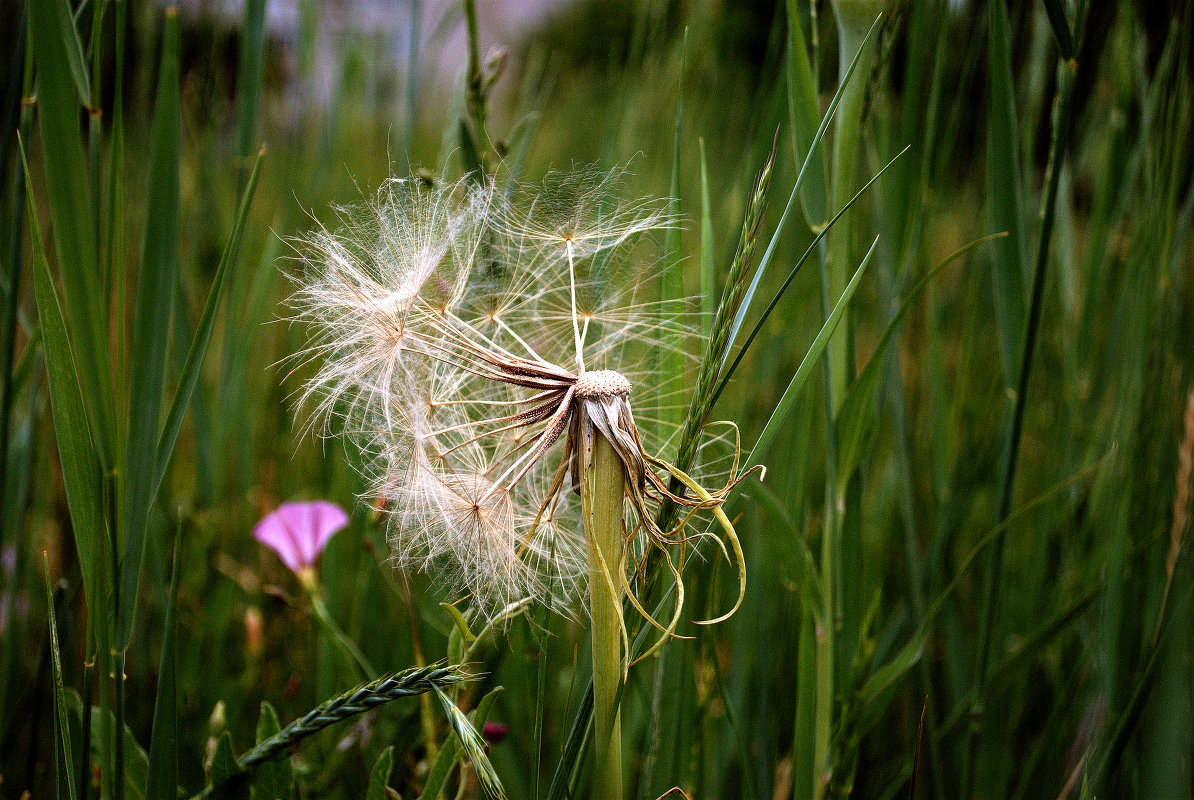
pixel 969 573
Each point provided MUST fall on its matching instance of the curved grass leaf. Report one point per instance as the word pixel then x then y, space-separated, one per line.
pixel 450 753
pixel 725 378
pixel 81 473
pixel 787 401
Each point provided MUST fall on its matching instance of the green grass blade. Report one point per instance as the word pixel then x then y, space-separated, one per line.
pixel 803 111
pixel 573 755
pixel 162 780
pixel 64 27
pixel 151 324
pixel 708 276
pixel 787 402
pixel 808 251
pixel 191 367
pixel 1061 28
pixel 1006 195
pixel 81 472
pixel 852 418
pixel 744 308
pixel 248 77
pixel 380 774
pixel 62 745
pixel 70 209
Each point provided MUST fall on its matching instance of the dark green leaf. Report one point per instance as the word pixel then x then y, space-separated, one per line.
pixel 273 779
pixel 81 472
pixel 136 762
pixel 63 757
pixel 1005 196
pixel 151 324
pixel 162 782
pixel 227 778
pixel 70 209
pixel 380 775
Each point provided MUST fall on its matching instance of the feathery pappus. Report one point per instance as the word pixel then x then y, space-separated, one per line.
pixel 472 342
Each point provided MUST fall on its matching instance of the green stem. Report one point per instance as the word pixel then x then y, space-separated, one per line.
pixel 349 652
pixel 602 498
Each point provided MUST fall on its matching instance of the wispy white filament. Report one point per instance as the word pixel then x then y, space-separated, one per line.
pixel 437 316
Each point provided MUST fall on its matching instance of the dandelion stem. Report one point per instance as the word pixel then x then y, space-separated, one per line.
pixel 602 498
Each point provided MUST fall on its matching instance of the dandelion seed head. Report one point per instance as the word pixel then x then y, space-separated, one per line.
pixel 471 344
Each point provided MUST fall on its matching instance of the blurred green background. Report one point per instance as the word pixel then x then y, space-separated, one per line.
pixel 989 523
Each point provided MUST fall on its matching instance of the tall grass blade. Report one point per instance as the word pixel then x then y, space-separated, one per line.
pixel 62 745
pixel 853 417
pixel 194 361
pixel 1061 28
pixel 769 253
pixel 162 780
pixel 81 472
pixel 1005 195
pixel 803 114
pixel 151 324
pixel 70 209
pixel 248 78
pixel 708 275
pixel 65 30
pixel 787 401
pixel 808 251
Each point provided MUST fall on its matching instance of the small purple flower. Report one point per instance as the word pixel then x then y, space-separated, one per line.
pixel 494 732
pixel 298 532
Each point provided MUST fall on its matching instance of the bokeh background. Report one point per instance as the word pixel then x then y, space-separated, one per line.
pixel 1001 552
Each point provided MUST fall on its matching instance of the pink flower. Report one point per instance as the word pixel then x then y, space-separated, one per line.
pixel 298 532
pixel 494 732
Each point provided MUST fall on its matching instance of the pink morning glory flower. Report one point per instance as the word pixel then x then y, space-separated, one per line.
pixel 299 531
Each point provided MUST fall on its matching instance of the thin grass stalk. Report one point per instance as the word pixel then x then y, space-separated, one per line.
pixel 830 535
pixel 603 492
pixel 994 577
